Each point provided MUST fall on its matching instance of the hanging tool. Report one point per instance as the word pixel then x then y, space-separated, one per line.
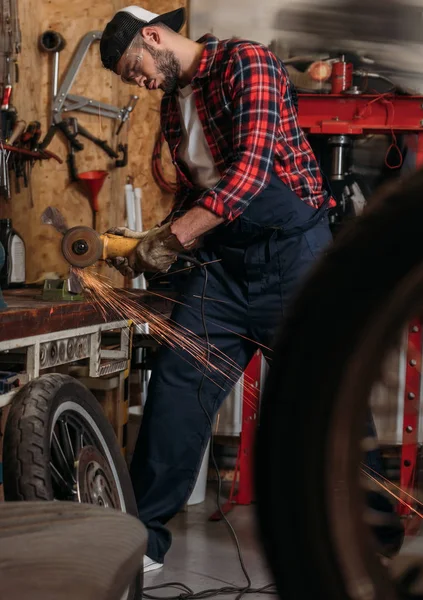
pixel 92 182
pixel 31 136
pixel 53 43
pixel 10 46
pixel 71 129
pixel 4 172
pixel 7 90
pixel 8 115
pixel 29 139
pixel 66 102
pixel 8 121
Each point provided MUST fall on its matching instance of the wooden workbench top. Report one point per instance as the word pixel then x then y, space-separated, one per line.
pixel 27 314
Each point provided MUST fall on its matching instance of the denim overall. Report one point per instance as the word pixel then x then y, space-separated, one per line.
pixel 262 258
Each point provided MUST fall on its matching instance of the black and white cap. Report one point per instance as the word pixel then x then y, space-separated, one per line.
pixel 124 26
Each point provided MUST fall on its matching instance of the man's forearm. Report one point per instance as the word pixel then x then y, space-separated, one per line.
pixel 194 223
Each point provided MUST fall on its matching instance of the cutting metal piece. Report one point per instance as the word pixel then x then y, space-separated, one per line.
pixel 53 216
pixel 73 285
pixel 82 246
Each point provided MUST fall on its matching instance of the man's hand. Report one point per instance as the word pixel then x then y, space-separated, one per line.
pixel 157 250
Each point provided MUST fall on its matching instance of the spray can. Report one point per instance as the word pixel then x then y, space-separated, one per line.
pixel 12 275
pixel 342 76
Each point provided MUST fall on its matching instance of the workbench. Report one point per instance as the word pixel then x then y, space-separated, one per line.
pixel 38 336
pixel 27 314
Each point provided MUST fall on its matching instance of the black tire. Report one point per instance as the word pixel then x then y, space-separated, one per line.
pixel 27 446
pixel 347 317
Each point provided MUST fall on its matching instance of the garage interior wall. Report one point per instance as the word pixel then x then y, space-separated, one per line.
pixel 242 18
pixel 49 183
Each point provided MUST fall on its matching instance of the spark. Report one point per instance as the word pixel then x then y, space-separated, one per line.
pixel 247 384
pixel 255 342
pixel 111 301
pixel 384 487
pixel 102 293
pixel 388 482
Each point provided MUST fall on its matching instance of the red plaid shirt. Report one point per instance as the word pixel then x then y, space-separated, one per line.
pixel 245 104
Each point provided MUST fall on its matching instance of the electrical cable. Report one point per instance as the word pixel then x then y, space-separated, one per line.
pixel 366 111
pixel 186 592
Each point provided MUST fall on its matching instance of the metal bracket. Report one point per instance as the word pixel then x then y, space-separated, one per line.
pixel 65 102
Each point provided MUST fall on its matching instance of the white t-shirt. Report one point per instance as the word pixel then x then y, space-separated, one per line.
pixel 193 148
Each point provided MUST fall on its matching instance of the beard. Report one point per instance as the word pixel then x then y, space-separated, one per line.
pixel 167 65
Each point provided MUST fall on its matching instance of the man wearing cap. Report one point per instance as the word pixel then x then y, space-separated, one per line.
pixel 250 200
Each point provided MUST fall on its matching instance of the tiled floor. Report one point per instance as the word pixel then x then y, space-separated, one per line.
pixel 203 554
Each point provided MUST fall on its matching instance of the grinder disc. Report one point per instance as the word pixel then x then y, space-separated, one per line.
pixel 82 246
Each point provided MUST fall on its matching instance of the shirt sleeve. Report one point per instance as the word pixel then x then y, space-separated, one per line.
pixel 258 85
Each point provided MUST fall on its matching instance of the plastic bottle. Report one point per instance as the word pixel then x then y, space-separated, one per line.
pixel 12 274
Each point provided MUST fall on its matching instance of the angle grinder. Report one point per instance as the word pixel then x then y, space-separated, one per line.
pixel 83 246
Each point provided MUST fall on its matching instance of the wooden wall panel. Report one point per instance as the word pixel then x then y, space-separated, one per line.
pixel 49 181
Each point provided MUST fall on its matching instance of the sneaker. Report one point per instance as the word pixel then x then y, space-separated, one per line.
pixel 151 565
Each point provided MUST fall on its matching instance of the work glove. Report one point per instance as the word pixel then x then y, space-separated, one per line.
pixel 157 250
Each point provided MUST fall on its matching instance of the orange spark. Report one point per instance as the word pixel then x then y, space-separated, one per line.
pixel 112 301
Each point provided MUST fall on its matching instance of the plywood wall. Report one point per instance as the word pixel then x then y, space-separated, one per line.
pixel 49 182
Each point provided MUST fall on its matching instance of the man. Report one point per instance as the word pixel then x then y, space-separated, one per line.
pixel 250 198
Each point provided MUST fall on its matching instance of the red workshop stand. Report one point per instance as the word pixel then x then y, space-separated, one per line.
pixel 244 468
pixel 366 114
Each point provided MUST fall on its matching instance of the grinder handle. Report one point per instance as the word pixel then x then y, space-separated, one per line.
pixel 117 245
